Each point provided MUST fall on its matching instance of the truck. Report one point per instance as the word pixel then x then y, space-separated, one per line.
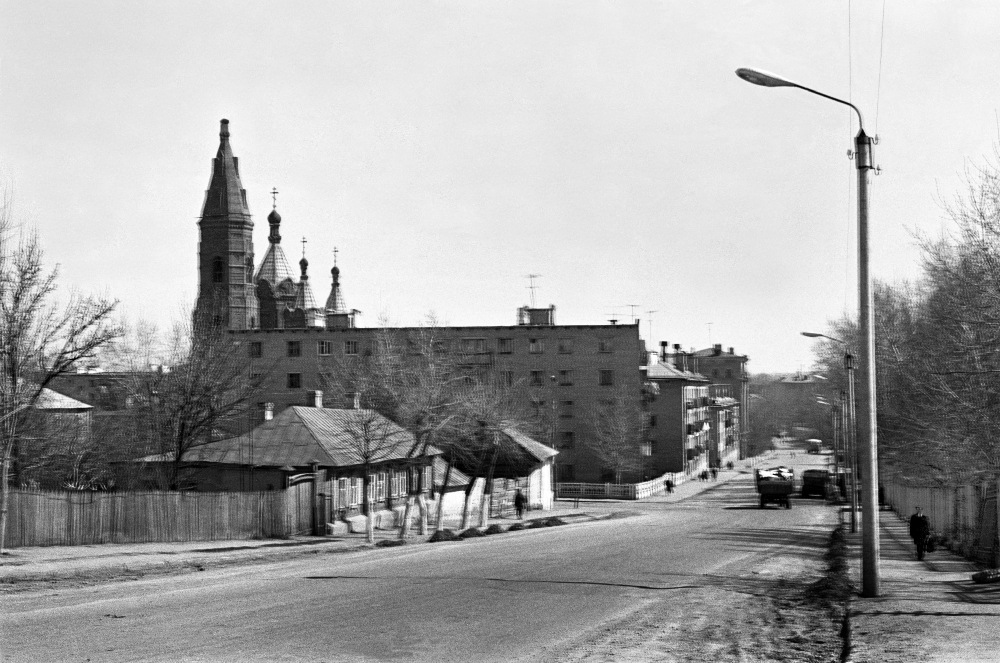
pixel 815 482
pixel 775 484
pixel 815 446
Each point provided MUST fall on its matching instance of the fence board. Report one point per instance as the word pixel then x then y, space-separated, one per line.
pixel 51 518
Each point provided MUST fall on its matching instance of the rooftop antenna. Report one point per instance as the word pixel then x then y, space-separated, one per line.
pixel 634 307
pixel 710 334
pixel 531 279
pixel 274 198
pixel 614 315
pixel 650 318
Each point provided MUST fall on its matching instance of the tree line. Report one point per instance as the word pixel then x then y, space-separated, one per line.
pixel 937 351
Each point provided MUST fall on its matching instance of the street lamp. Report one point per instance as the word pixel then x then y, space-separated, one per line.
pixel 862 157
pixel 850 436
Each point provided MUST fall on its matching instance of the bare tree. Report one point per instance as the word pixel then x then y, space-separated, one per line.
pixel 373 439
pixel 39 338
pixel 203 390
pixel 620 426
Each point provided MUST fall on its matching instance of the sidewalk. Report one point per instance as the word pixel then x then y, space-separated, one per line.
pixel 45 564
pixel 929 610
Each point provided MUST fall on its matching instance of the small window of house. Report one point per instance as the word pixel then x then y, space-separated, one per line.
pixel 605 345
pixel 566 378
pixel 294 380
pixel 474 345
pixel 536 379
pixel 256 350
pixel 565 346
pixel 350 347
pixel 324 348
pixel 505 346
pixel 606 378
pixel 294 348
pixel 536 346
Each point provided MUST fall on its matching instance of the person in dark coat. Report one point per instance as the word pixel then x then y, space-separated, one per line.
pixel 519 503
pixel 669 485
pixel 920 530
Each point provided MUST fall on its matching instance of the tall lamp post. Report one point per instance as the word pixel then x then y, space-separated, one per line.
pixel 868 436
pixel 850 425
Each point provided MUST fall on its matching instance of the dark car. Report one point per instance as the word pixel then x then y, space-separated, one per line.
pixel 814 482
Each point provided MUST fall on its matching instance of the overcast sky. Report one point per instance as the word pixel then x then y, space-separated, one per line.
pixel 449 149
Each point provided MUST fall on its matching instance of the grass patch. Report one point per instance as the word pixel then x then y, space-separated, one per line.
pixel 835 585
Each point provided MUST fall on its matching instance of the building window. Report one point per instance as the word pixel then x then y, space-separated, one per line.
pixel 350 347
pixel 294 380
pixel 536 346
pixel 604 345
pixel 256 350
pixel 294 348
pixel 652 421
pixel 566 378
pixel 507 378
pixel 566 409
pixel 536 378
pixel 324 348
pixel 474 345
pixel 565 346
pixel 218 271
pixel 505 346
pixel 729 372
pixel 566 439
pixel 440 346
pixel 646 448
pixel 607 378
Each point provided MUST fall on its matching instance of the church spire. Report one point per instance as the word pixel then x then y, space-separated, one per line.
pixel 226 295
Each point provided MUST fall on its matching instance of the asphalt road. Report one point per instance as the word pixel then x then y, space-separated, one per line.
pixel 532 595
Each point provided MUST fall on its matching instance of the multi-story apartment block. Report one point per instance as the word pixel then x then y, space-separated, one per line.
pixel 731 369
pixel 678 404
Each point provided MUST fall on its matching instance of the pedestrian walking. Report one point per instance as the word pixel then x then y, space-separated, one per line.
pixel 715 473
pixel 669 485
pixel 729 465
pixel 920 531
pixel 519 502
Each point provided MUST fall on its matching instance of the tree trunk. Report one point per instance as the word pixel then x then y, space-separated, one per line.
pixel 467 503
pixel 366 500
pixel 484 509
pixel 404 529
pixel 440 505
pixel 422 503
pixel 4 498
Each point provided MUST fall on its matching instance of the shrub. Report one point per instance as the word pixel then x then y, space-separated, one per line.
pixel 554 521
pixel 494 529
pixel 516 527
pixel 443 535
pixel 535 524
pixel 390 543
pixel 471 533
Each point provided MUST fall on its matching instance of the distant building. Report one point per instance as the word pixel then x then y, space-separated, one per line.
pixel 730 369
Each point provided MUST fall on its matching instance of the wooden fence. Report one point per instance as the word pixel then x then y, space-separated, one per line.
pixel 965 515
pixel 43 518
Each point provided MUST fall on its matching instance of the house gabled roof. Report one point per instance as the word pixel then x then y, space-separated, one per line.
pixel 50 401
pixel 299 436
pixel 534 448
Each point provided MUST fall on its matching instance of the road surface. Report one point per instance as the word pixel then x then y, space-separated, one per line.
pixel 705 577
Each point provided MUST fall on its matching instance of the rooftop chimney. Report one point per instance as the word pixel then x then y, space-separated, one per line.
pixel 664 348
pixel 731 351
pixel 314 399
pixel 717 350
pixel 268 411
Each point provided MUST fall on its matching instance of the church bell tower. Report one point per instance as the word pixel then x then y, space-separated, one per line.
pixel 227 297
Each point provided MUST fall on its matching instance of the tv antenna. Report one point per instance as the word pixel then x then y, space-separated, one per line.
pixel 650 318
pixel 633 307
pixel 709 333
pixel 614 315
pixel 531 286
